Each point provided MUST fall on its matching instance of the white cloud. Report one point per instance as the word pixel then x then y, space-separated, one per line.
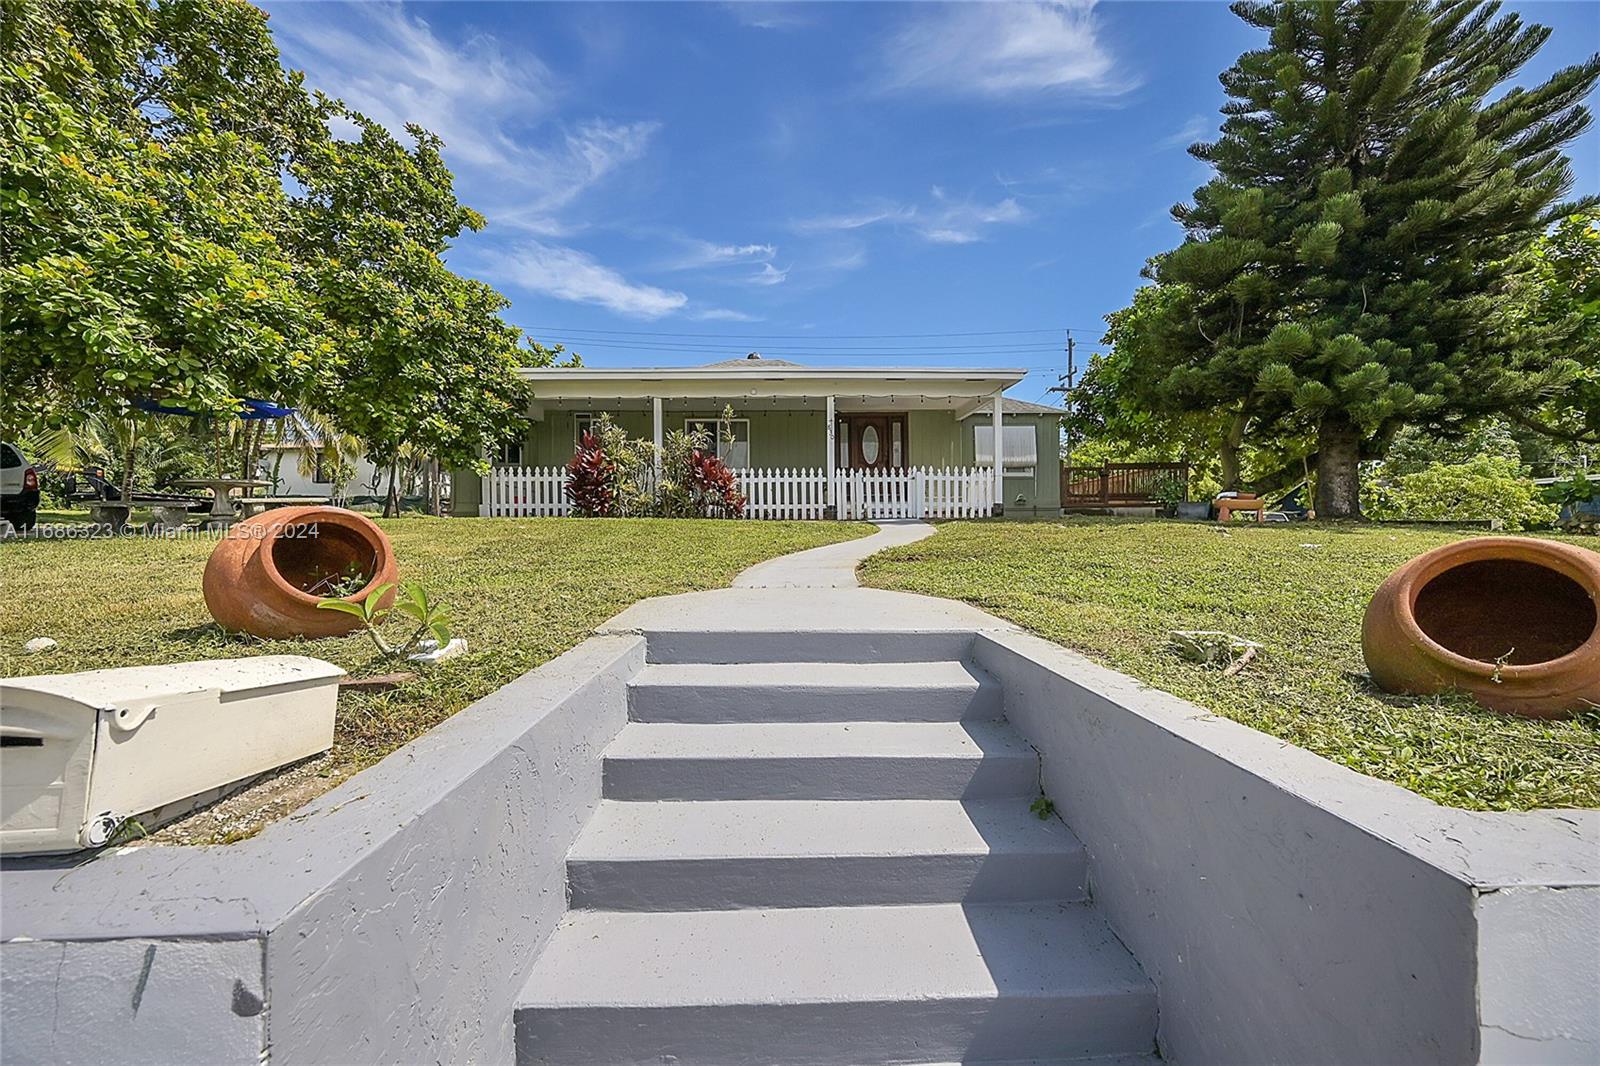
pixel 1197 127
pixel 698 253
pixel 941 221
pixel 770 275
pixel 392 67
pixel 1001 49
pixel 769 14
pixel 723 314
pixel 868 216
pixel 568 274
pixel 491 105
pixel 963 222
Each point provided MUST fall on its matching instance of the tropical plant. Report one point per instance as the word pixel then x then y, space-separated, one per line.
pixel 591 480
pixel 713 488
pixel 1344 272
pixel 411 600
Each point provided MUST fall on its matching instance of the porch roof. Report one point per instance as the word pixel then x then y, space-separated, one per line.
pixel 776 379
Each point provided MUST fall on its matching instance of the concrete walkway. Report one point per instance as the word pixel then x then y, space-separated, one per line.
pixel 832 566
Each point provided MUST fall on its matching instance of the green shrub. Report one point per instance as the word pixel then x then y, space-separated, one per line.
pixel 1486 487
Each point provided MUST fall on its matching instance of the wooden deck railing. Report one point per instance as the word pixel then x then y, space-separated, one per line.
pixel 1117 484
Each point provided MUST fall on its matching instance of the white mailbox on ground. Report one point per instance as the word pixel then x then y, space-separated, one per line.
pixel 79 753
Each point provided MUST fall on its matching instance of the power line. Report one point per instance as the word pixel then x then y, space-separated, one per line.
pixel 800 336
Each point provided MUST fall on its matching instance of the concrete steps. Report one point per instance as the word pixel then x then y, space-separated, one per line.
pixel 823 854
pixel 820 761
pixel 792 853
pixel 835 985
pixel 943 691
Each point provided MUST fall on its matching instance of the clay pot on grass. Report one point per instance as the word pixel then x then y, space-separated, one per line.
pixel 1512 621
pixel 268 574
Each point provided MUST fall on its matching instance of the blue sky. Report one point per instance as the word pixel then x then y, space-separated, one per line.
pixel 670 183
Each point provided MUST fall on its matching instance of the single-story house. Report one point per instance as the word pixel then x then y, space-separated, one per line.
pixel 806 440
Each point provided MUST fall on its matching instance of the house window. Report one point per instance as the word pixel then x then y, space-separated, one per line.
pixel 509 453
pixel 1021 454
pixel 735 452
pixel 583 422
pixel 319 470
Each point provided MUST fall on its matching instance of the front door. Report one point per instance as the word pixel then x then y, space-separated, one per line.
pixel 877 442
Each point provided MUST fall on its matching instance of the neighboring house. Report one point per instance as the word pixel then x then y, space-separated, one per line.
pixel 317 477
pixel 864 441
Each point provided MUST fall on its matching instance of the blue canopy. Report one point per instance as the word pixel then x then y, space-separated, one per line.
pixel 253 410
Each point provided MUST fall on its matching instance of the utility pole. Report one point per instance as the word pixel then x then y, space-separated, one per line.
pixel 1064 384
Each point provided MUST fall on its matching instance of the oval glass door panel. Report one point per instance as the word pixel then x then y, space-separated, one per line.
pixel 869 445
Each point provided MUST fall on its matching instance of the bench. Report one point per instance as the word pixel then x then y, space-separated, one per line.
pixel 1246 504
pixel 254 505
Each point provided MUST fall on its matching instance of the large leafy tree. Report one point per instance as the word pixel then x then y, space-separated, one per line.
pixel 1343 272
pixel 140 197
pixel 1555 306
pixel 420 357
pixel 181 228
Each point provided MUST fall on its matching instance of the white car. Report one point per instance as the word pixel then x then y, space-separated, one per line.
pixel 19 488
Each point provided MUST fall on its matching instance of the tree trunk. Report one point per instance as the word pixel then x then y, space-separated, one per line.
pixel 1338 468
pixel 128 460
pixel 1228 454
pixel 391 502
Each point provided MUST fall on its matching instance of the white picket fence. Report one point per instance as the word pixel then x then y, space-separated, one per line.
pixel 920 492
pixel 783 493
pixel 525 492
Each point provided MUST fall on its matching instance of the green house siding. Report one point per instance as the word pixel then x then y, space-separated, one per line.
pixel 1041 493
pixel 797 438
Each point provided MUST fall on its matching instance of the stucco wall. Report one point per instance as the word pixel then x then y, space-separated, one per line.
pixel 1291 910
pixel 391 920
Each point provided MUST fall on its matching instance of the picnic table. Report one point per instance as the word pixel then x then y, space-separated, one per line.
pixel 221 506
pixel 254 505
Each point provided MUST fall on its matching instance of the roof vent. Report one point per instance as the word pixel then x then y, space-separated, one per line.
pixel 753 355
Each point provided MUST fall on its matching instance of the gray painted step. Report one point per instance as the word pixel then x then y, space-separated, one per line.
pixel 802 645
pixel 944 691
pixel 820 760
pixel 844 985
pixel 797 853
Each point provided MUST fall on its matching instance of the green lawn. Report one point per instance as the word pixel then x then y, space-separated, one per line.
pixel 1115 588
pixel 521 590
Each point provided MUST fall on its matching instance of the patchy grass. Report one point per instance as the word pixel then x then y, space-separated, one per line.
pixel 521 591
pixel 1114 589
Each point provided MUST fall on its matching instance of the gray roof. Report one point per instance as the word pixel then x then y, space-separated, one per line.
pixel 758 363
pixel 1008 406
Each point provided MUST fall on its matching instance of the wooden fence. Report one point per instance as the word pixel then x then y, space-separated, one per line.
pixel 968 492
pixel 1118 484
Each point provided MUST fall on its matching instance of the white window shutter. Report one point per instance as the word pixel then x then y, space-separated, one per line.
pixel 1021 445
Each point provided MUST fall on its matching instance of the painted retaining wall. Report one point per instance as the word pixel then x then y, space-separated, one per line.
pixel 391 920
pixel 1292 910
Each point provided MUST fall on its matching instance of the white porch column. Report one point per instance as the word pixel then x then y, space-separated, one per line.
pixel 833 458
pixel 999 460
pixel 655 406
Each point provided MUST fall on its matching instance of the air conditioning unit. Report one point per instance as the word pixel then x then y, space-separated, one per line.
pixel 81 753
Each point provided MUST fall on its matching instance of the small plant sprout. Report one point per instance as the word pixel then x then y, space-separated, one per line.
pixel 412 601
pixel 1044 807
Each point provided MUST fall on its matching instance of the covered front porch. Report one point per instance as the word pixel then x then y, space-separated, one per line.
pixel 804 442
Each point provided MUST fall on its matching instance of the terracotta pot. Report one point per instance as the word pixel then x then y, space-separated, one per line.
pixel 269 572
pixel 1511 620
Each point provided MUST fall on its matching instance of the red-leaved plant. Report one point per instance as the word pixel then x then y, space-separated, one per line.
pixel 714 487
pixel 591 480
